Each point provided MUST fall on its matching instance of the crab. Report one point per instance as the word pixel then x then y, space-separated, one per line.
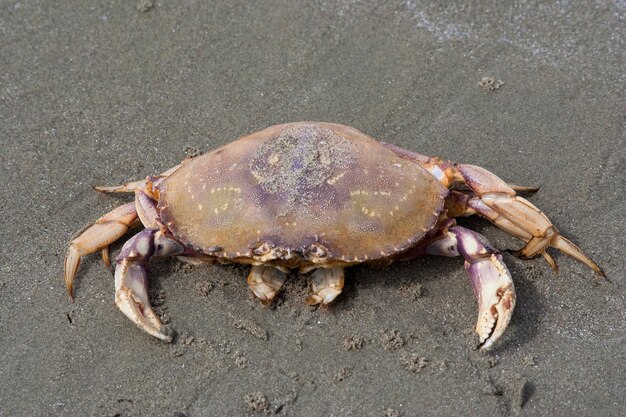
pixel 318 198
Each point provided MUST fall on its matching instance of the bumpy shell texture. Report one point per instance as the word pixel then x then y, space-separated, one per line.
pixel 309 190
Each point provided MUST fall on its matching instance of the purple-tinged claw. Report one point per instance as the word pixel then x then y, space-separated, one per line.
pixel 132 280
pixel 495 293
pixel 140 312
pixel 492 284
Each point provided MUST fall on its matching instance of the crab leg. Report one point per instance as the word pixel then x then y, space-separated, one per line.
pixel 491 280
pixel 132 279
pixel 327 284
pixel 106 230
pixel 506 208
pixel 265 282
pixel 145 184
pixel 460 204
pixel 476 206
pixel 127 187
pixel 497 201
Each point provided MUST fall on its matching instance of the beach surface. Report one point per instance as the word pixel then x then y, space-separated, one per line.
pixel 99 93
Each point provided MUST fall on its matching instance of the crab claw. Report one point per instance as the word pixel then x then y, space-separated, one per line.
pixel 132 279
pixel 495 292
pixel 491 282
pixel 131 297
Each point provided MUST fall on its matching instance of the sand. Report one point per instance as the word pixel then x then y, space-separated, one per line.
pixel 102 93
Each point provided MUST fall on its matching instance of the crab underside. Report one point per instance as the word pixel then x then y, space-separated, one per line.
pixel 317 197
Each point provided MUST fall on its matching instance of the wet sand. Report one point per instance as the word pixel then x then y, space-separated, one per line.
pixel 105 93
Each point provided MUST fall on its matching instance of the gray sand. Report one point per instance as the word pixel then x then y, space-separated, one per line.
pixel 104 93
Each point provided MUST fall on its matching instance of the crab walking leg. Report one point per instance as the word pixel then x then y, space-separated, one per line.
pixel 265 282
pixel 145 184
pixel 327 285
pixel 505 209
pixel 477 206
pixel 491 280
pixel 509 209
pixel 106 230
pixel 132 279
pixel 460 204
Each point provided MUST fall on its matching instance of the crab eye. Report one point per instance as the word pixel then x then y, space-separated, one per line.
pixel 316 251
pixel 262 249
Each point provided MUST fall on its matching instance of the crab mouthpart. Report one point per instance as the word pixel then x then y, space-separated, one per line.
pixel 494 317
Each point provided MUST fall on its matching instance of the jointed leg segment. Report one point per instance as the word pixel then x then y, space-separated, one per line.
pixel 106 230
